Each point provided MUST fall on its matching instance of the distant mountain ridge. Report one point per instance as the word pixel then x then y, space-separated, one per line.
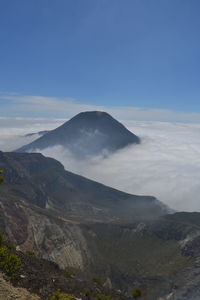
pixel 86 134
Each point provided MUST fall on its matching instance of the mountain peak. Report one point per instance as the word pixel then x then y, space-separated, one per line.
pixel 92 116
pixel 88 133
pixel 93 113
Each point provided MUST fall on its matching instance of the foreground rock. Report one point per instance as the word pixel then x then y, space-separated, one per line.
pixel 8 292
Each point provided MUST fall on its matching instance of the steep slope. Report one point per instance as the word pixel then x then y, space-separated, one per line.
pixel 44 182
pixel 186 283
pixel 8 292
pixel 45 278
pixel 153 256
pixel 149 254
pixel 86 134
pixel 80 223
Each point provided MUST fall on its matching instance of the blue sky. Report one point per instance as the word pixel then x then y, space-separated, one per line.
pixel 100 53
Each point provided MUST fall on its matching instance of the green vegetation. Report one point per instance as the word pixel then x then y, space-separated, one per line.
pixel 127 250
pixel 97 280
pixel 136 293
pixel 6 244
pixel 30 253
pixel 57 295
pixel 9 263
pixel 1 176
pixel 1 239
pixel 87 293
pixel 71 273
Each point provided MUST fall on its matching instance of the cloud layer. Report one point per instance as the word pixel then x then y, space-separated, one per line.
pixel 12 130
pixel 166 164
pixel 18 105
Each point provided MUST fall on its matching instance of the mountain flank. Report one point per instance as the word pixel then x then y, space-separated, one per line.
pixel 127 240
pixel 8 291
pixel 87 134
pixel 37 279
pixel 45 183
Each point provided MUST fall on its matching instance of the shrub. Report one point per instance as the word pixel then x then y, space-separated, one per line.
pixel 1 176
pixel 1 239
pixel 136 293
pixel 97 280
pixel 87 293
pixel 9 263
pixel 70 273
pixel 1 179
pixel 57 295
pixel 30 253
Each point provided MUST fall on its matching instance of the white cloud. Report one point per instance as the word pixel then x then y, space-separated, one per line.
pixel 12 130
pixel 67 107
pixel 44 106
pixel 166 164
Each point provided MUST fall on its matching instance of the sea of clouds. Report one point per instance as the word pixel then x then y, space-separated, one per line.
pixel 166 164
pixel 13 130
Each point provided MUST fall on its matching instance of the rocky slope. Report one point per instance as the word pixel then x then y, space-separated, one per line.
pixel 149 255
pixel 43 182
pixel 79 223
pixel 86 134
pixel 186 283
pixel 42 207
pixel 38 276
pixel 9 292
